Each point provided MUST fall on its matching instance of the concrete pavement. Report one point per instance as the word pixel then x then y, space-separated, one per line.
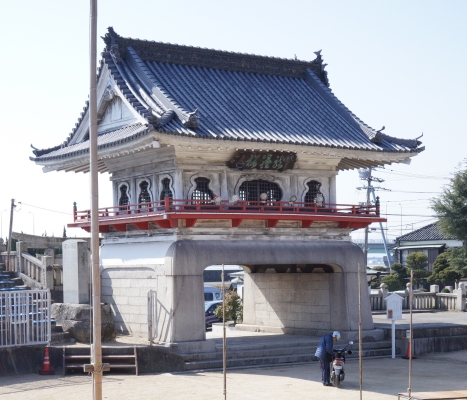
pixel 383 378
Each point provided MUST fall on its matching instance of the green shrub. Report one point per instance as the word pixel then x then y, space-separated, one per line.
pixel 233 307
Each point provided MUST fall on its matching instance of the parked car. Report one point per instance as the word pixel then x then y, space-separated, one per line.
pixel 212 294
pixel 209 307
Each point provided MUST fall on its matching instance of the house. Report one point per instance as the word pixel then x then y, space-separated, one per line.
pixel 428 240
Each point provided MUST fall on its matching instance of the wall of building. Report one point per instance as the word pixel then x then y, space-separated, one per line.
pixel 298 301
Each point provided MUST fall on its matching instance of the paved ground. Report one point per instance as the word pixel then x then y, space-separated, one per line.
pixel 383 378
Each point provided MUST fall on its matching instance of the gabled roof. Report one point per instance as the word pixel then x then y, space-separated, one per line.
pixel 429 232
pixel 212 94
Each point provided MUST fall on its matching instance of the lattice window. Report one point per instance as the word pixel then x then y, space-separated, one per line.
pixel 144 195
pixel 252 190
pixel 202 191
pixel 314 194
pixel 124 199
pixel 166 192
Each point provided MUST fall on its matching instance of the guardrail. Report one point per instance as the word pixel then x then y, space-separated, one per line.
pixel 25 318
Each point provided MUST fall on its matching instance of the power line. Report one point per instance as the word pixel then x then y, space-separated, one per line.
pixel 46 209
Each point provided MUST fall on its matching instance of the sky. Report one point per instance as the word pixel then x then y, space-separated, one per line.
pixel 394 63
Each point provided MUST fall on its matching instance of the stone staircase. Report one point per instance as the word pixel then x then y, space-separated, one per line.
pixel 269 350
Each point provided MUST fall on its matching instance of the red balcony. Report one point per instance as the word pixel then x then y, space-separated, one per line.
pixel 166 214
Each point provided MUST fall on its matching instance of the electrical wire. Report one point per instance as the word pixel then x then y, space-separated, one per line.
pixel 46 209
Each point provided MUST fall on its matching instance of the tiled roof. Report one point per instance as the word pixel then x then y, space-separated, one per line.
pixel 429 232
pixel 229 96
pixel 104 140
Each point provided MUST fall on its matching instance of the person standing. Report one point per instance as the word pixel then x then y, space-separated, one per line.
pixel 325 352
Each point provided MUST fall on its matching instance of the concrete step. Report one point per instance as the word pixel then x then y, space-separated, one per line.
pixel 273 359
pixel 261 350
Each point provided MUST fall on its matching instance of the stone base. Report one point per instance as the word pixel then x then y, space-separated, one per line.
pixel 370 335
pixel 218 326
pixel 196 346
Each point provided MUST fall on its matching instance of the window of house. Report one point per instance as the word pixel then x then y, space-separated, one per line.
pixel 166 192
pixel 144 195
pixel 124 199
pixel 202 191
pixel 314 195
pixel 252 190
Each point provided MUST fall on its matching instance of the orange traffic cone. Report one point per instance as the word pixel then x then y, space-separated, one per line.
pixel 408 351
pixel 46 364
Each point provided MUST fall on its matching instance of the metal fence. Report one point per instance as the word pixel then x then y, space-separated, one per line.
pixel 25 318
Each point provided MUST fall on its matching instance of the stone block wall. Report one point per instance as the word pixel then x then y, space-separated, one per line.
pixel 289 300
pixel 125 290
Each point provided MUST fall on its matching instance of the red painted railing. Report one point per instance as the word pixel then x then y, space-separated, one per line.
pixel 206 207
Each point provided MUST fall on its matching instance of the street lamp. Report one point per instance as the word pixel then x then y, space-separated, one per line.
pixel 32 222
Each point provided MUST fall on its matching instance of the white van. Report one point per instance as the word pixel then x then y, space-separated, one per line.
pixel 211 293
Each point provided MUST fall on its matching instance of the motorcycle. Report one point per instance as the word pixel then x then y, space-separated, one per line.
pixel 337 365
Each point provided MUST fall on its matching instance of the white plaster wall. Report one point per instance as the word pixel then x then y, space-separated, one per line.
pixel 287 300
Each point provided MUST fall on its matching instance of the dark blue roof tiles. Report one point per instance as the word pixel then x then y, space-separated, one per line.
pixel 428 232
pixel 104 140
pixel 238 97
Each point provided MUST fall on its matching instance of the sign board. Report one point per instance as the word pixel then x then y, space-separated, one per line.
pixel 394 307
pixel 279 161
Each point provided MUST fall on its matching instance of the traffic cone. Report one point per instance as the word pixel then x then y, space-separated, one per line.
pixel 408 351
pixel 46 364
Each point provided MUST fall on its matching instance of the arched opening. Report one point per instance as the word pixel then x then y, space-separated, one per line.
pixel 202 191
pixel 124 199
pixel 166 192
pixel 314 195
pixel 252 190
pixel 144 195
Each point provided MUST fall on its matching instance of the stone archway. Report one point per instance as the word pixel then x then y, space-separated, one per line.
pixel 186 260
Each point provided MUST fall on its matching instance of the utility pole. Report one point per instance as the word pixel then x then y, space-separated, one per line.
pixel 365 175
pixel 9 235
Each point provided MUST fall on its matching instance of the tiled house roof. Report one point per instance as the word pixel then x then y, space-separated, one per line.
pixel 212 94
pixel 429 232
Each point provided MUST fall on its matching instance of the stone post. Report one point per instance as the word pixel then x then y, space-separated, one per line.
pixel 47 273
pixel 434 288
pixel 76 271
pixel 460 299
pixel 384 293
pixel 51 253
pixel 21 247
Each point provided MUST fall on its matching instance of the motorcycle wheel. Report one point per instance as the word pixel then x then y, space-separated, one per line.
pixel 338 381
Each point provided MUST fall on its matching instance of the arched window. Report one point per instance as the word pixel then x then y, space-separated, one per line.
pixel 144 195
pixel 166 192
pixel 202 191
pixel 252 190
pixel 124 199
pixel 314 194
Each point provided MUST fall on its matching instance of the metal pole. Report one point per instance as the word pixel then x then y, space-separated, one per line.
pixel 368 190
pixel 96 348
pixel 9 235
pixel 360 344
pixel 409 390
pixel 382 232
pixel 224 339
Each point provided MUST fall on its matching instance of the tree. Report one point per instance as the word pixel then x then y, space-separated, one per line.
pixel 233 307
pixel 64 232
pixel 443 273
pixel 451 206
pixel 397 279
pixel 417 262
